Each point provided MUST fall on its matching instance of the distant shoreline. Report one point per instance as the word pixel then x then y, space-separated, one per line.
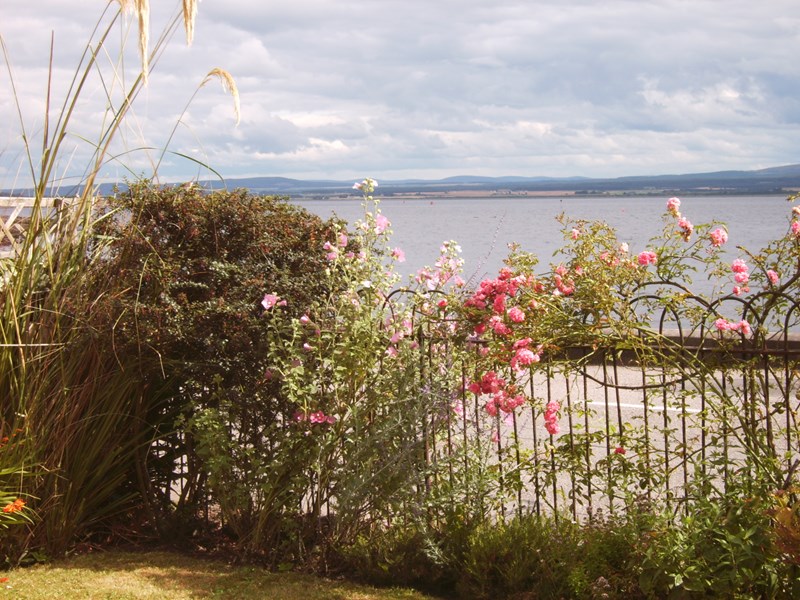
pixel 501 193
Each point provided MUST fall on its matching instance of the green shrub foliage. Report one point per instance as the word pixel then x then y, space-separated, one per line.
pixel 189 269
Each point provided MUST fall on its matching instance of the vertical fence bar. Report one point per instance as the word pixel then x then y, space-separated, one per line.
pixel 703 421
pixel 665 422
pixel 607 419
pixel 518 460
pixel 572 476
pixel 787 393
pixel 684 438
pixel 725 430
pixel 614 365
pixel 500 473
pixel 536 490
pixel 767 408
pixel 646 413
pixel 552 451
pixel 587 443
pixel 465 424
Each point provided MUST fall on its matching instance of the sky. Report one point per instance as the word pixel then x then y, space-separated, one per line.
pixel 395 89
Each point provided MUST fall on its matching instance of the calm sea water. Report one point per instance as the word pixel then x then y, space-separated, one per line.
pixel 485 226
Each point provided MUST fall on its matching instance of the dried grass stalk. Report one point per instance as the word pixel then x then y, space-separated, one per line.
pixel 141 8
pixel 189 17
pixel 230 86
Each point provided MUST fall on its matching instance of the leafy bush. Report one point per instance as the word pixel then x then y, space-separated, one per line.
pixel 188 270
pixel 725 546
pixel 510 558
pixel 405 555
pixel 545 557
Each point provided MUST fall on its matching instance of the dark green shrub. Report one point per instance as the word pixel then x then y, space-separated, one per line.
pixel 541 557
pixel 725 546
pixel 525 555
pixel 408 555
pixel 606 565
pixel 189 269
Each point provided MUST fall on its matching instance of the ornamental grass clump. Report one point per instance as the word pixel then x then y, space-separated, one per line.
pixel 83 416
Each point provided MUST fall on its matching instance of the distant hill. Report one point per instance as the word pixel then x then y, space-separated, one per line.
pixel 777 180
pixel 773 180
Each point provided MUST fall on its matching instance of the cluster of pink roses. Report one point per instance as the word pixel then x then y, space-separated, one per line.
pixel 741 276
pixel 504 397
pixel 333 249
pixel 490 303
pixel 551 417
pixel 524 356
pixel 742 326
pixel 314 418
pixel 647 257
pixel 718 237
pixel 564 286
pixel 684 225
pixel 495 292
pixel 795 226
pixel 445 270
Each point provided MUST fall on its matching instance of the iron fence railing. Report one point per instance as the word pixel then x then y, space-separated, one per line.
pixel 714 406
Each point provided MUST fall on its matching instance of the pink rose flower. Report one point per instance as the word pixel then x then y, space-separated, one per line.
pixel 722 324
pixel 523 343
pixel 269 301
pixel 686 228
pixel 738 291
pixel 523 358
pixel 551 417
pixel 739 266
pixel 491 408
pixel 647 258
pixel 497 325
pixel 381 224
pixel 516 314
pixel 399 255
pixel 743 327
pixel 773 277
pixel 499 304
pixel 673 206
pixel 718 237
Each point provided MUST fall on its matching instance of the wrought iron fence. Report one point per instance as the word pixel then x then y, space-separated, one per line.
pixel 713 406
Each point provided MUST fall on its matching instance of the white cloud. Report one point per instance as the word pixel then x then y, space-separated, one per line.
pixel 437 87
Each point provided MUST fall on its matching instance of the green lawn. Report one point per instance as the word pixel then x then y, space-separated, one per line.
pixel 128 575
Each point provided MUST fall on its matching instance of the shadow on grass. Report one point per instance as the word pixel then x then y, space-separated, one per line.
pixel 123 575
